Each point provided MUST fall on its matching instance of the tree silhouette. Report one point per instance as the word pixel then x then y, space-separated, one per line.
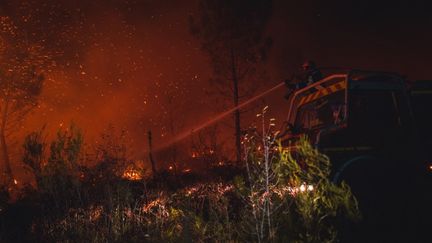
pixel 171 109
pixel 21 82
pixel 232 34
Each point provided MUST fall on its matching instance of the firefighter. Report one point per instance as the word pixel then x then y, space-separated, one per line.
pixel 309 75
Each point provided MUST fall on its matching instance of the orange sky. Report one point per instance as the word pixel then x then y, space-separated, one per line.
pixel 118 61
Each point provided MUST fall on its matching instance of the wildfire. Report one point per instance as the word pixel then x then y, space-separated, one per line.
pixel 186 170
pixel 301 189
pixel 132 175
pixel 206 152
pixel 294 190
pixel 201 190
pixel 157 207
pixel 134 171
pixel 82 175
pixel 95 213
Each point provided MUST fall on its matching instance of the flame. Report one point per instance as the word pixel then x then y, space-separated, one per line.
pixel 294 190
pixel 132 175
pixel 301 189
pixel 134 171
pixel 195 154
pixel 95 213
pixel 15 182
pixel 199 189
pixel 186 170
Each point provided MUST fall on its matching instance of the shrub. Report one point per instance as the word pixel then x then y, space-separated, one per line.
pixel 287 191
pixel 284 194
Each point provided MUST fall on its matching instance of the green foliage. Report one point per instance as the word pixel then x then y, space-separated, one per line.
pixel 288 192
pixel 317 209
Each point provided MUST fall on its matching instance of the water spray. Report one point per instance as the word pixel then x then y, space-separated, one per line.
pixel 186 134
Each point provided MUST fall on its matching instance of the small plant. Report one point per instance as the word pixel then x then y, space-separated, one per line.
pixel 33 153
pixel 287 191
pixel 259 189
pixel 317 202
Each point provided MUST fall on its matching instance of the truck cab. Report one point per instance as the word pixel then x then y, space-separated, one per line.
pixel 421 102
pixel 362 120
pixel 374 129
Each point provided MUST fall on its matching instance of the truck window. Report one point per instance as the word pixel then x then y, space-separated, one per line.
pixel 377 110
pixel 323 112
pixel 421 101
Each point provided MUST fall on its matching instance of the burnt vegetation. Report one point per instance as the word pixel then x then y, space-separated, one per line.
pixel 268 197
pixel 60 185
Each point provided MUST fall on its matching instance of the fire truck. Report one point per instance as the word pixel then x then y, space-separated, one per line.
pixel 421 102
pixel 376 130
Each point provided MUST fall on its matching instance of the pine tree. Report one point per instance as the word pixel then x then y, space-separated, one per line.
pixel 232 34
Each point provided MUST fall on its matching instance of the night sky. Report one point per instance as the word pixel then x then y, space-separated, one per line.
pixel 135 65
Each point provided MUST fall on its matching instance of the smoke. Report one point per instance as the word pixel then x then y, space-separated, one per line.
pixel 118 66
pixel 134 64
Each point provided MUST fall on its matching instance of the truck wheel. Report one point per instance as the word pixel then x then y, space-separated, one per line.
pixel 377 196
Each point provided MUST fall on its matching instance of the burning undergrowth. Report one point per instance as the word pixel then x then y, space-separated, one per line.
pixel 268 197
pixel 159 215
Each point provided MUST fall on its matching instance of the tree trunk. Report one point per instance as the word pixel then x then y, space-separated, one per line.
pixel 236 102
pixel 3 144
pixel 171 128
pixel 153 164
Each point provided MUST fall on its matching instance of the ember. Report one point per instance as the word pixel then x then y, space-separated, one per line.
pixel 132 175
pixel 194 154
pixel 186 170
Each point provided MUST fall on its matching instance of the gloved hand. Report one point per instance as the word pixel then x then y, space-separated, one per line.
pixel 290 85
pixel 288 94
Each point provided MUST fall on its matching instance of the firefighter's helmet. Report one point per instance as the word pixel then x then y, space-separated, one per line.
pixel 307 65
